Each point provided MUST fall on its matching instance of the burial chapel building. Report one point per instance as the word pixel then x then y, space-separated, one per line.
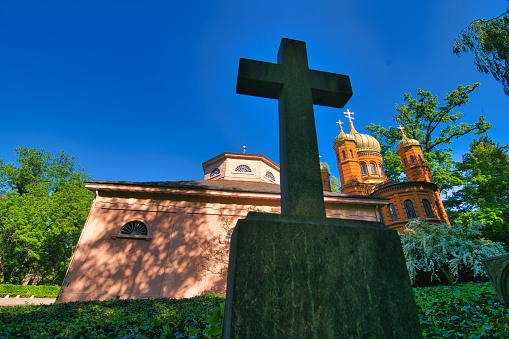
pixel 152 239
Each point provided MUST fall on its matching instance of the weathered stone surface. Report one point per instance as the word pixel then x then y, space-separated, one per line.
pixel 498 272
pixel 297 88
pixel 317 278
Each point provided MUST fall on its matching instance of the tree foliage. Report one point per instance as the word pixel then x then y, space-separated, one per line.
pixel 489 40
pixel 485 193
pixel 334 182
pixel 435 126
pixel 43 209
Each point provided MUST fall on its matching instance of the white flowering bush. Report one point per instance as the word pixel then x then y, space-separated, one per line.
pixel 446 251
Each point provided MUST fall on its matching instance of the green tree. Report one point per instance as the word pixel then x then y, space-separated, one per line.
pixel 489 40
pixel 334 182
pixel 485 193
pixel 43 209
pixel 435 126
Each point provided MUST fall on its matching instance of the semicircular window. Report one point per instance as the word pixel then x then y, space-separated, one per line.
pixel 134 227
pixel 270 176
pixel 242 168
pixel 215 172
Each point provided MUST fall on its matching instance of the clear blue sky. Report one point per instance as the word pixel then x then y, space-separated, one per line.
pixel 145 90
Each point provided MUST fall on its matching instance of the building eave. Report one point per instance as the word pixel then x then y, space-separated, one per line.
pixel 184 188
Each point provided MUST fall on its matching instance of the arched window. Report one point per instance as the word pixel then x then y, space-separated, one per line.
pixel 364 171
pixel 381 169
pixel 380 214
pixel 351 154
pixel 412 160
pixel 420 159
pixel 215 172
pixel 134 227
pixel 410 211
pixel 242 168
pixel 427 208
pixel 404 161
pixel 270 176
pixel 344 154
pixel 372 168
pixel 392 212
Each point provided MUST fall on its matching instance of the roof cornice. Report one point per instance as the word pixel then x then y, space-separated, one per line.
pixel 224 192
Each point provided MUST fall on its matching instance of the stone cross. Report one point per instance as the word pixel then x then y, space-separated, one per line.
pixel 297 88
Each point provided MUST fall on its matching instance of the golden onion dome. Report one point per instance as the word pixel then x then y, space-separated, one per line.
pixel 362 141
pixel 406 141
pixel 344 136
pixel 366 142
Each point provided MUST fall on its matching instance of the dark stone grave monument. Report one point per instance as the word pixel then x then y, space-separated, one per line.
pixel 300 274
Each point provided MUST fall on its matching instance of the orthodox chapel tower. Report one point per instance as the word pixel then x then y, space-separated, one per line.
pixel 360 162
pixel 361 172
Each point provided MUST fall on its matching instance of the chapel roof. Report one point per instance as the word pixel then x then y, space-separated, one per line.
pixel 362 141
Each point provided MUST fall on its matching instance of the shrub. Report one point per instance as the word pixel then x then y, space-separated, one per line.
pixel 446 254
pixel 39 291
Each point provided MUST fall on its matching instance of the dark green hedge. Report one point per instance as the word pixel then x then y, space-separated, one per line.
pixel 39 291
pixel 465 311
pixel 151 318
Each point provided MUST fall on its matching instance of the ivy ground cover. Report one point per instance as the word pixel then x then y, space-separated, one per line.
pixel 464 311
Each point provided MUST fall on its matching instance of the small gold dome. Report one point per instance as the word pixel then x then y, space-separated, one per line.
pixel 407 142
pixel 404 140
pixel 344 136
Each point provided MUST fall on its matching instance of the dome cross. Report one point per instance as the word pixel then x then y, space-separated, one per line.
pixel 348 114
pixel 402 129
pixel 340 125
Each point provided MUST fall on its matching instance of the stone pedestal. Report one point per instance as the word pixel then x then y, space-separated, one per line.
pixel 299 277
pixel 498 272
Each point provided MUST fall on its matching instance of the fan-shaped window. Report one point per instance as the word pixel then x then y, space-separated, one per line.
pixel 134 228
pixel 242 168
pixel 344 154
pixel 412 160
pixel 270 176
pixel 364 171
pixel 427 208
pixel 372 168
pixel 392 212
pixel 410 211
pixel 351 154
pixel 215 172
